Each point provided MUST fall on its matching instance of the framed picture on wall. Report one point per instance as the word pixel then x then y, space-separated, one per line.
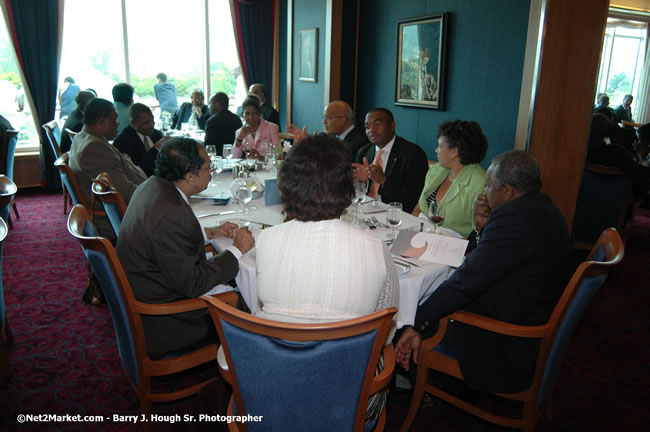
pixel 308 55
pixel 421 53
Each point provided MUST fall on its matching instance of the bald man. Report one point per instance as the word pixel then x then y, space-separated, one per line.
pixel 338 120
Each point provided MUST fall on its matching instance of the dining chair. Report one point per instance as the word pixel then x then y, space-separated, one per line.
pixel 7 154
pixel 53 133
pixel 7 191
pixel 126 312
pixel 71 133
pixel 70 182
pixel 593 214
pixel 102 188
pixel 554 337
pixel 312 377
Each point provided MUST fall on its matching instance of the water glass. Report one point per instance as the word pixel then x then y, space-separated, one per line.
pixel 394 218
pixel 227 151
pixel 245 195
pixel 359 196
pixel 212 151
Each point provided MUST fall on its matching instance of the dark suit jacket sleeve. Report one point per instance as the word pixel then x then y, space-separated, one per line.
pixel 275 117
pixel 176 255
pixel 503 246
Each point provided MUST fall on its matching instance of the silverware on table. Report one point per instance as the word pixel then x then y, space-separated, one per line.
pixel 406 262
pixel 227 212
pixel 376 221
pixel 373 211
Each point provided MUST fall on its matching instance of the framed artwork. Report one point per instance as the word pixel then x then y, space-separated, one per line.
pixel 421 53
pixel 308 55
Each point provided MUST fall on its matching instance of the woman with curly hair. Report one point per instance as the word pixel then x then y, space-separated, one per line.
pixel 314 267
pixel 457 179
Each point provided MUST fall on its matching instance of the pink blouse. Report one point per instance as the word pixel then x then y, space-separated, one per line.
pixel 266 131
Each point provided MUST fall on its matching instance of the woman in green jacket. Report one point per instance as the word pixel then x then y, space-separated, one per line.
pixel 455 182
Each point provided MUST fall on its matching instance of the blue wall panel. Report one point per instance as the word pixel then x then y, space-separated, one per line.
pixel 485 55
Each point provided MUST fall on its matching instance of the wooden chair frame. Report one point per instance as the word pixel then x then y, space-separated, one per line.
pixel 102 188
pixel 430 359
pixel 309 332
pixel 62 163
pixel 148 368
pixel 5 331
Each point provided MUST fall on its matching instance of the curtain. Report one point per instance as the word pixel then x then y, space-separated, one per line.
pixel 643 102
pixel 254 26
pixel 35 29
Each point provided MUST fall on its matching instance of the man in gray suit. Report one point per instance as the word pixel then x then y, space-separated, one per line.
pixel 91 154
pixel 161 247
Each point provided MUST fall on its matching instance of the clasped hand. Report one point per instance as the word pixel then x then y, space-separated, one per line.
pixel 242 238
pixel 364 172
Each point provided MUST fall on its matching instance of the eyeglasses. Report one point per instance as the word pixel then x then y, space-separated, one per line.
pixel 327 118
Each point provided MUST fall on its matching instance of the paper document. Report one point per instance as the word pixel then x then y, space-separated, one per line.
pixel 430 247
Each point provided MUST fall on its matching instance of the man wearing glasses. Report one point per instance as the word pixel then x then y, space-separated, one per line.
pixel 338 120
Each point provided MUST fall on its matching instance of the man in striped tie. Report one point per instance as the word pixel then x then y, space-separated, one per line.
pixel 393 167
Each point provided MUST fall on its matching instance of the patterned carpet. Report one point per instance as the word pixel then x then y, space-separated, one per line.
pixel 65 358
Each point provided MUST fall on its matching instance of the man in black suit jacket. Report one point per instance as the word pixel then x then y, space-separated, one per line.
pixel 516 274
pixel 338 119
pixel 404 166
pixel 161 247
pixel 221 127
pixel 268 112
pixel 140 140
pixel 197 106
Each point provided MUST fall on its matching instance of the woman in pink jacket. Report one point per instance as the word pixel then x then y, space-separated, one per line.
pixel 255 132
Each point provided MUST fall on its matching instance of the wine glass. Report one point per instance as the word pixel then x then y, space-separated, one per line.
pixel 436 214
pixel 245 195
pixel 212 151
pixel 359 196
pixel 394 218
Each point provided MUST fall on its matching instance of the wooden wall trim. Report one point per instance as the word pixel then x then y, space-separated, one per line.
pixel 333 34
pixel 571 45
pixel 289 107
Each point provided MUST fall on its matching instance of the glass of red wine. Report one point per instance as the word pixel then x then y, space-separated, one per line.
pixel 436 214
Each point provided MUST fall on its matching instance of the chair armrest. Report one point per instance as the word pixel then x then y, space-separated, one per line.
pixel 209 248
pixel 380 381
pixel 181 306
pixel 501 327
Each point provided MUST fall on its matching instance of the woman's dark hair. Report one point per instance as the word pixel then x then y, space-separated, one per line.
pixel 251 101
pixel 177 157
pixel 315 180
pixel 467 137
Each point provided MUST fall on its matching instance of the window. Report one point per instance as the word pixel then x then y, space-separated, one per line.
pixel 13 104
pixel 622 60
pixel 161 37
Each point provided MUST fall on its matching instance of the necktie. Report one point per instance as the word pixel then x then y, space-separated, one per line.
pixel 374 187
pixel 147 143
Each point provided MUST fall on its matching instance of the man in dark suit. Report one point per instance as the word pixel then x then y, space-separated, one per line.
pixel 268 112
pixel 338 120
pixel 74 122
pixel 221 127
pixel 140 140
pixel 161 247
pixel 197 107
pixel 624 110
pixel 398 166
pixel 516 274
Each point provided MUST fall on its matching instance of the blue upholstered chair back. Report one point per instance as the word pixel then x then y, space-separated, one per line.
pixel 114 215
pixel 602 203
pixel 309 386
pixel 101 266
pixel 585 293
pixel 11 153
pixel 56 146
pixel 3 233
pixel 65 178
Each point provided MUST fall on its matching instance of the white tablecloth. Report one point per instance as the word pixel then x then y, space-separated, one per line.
pixel 415 286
